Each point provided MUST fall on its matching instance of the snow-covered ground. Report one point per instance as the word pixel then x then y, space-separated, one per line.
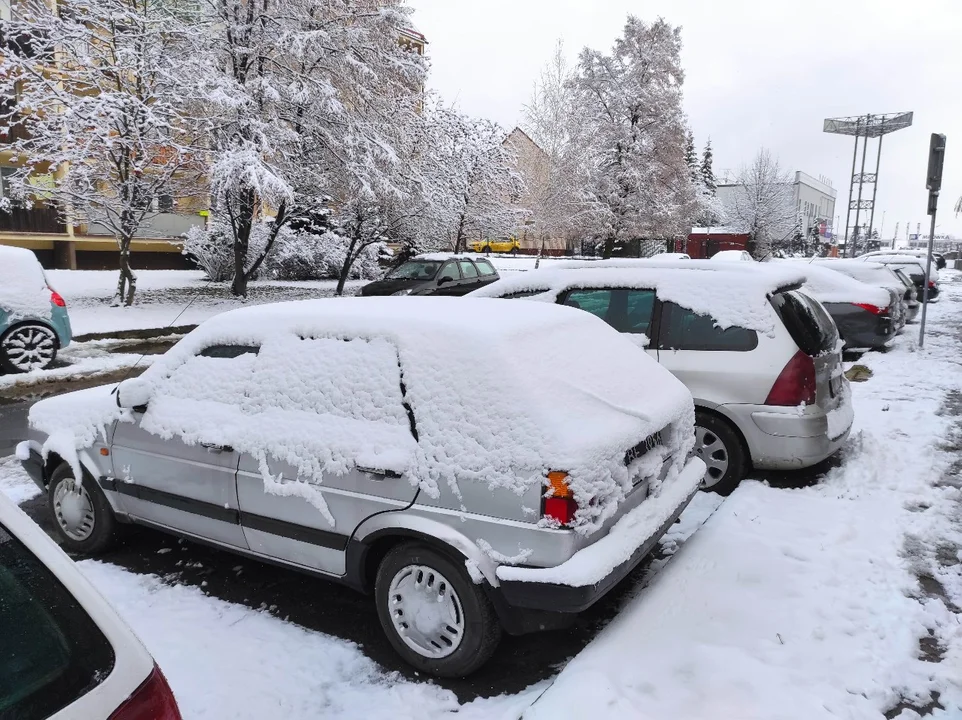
pixel 839 600
pixel 166 297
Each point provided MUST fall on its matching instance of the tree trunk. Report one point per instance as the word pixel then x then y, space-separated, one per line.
pixel 126 275
pixel 608 248
pixel 349 257
pixel 241 225
pixel 279 220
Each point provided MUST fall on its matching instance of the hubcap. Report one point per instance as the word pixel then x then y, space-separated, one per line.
pixel 30 348
pixel 73 509
pixel 710 448
pixel 426 611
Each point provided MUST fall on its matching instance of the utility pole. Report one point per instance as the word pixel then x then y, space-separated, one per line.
pixel 933 183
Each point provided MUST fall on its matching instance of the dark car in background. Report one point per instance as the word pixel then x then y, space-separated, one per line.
pixel 435 274
pixel 912 266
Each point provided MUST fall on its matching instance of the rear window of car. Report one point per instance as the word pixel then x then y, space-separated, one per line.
pixel 485 267
pixel 683 329
pixel 51 652
pixel 810 326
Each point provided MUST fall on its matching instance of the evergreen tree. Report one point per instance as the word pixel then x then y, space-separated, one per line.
pixel 707 174
pixel 691 157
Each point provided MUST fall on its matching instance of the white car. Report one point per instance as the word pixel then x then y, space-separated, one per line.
pixel 65 653
pixel 761 359
pixel 670 256
pixel 733 256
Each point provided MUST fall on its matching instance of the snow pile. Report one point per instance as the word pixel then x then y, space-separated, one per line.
pixel 14 481
pixel 244 664
pixel 502 400
pixel 23 287
pixel 837 600
pixel 733 295
pixel 829 286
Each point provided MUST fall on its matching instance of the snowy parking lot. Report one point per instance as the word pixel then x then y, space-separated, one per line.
pixel 830 594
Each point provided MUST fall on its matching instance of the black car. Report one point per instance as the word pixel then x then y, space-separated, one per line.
pixel 910 297
pixel 862 325
pixel 435 275
pixel 915 269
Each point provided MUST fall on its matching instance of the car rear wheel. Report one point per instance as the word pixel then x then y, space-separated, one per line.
pixel 26 347
pixel 81 514
pixel 514 251
pixel 719 446
pixel 434 616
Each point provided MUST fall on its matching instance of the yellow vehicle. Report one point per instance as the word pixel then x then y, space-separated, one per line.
pixel 510 245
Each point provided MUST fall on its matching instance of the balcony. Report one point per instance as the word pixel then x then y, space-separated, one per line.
pixel 39 219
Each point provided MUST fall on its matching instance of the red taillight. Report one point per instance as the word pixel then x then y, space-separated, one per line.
pixel 795 384
pixel 55 298
pixel 560 505
pixel 931 284
pixel 874 309
pixel 153 700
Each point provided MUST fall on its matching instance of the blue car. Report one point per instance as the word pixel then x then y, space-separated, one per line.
pixel 33 317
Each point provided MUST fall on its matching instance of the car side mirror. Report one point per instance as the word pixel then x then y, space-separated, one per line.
pixel 443 280
pixel 133 394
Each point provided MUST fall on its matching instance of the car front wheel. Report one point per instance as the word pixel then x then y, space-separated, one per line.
pixel 434 616
pixel 719 446
pixel 81 514
pixel 28 347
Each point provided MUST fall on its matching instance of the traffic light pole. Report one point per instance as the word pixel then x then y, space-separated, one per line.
pixel 933 182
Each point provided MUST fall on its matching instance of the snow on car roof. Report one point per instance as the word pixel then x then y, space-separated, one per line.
pixel 829 286
pixel 735 295
pixel 23 287
pixel 442 256
pixel 867 272
pixel 501 393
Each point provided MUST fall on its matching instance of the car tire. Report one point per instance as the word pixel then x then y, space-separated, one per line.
pixel 40 340
pixel 514 251
pixel 83 518
pixel 718 444
pixel 408 574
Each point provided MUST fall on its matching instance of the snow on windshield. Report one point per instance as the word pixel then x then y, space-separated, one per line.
pixel 500 399
pixel 23 287
pixel 734 295
pixel 415 270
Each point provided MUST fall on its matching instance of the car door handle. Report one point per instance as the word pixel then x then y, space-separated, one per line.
pixel 378 473
pixel 214 447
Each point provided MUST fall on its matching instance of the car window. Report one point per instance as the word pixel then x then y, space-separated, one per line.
pixel 638 308
pixel 415 270
pixel 485 267
pixel 449 271
pixel 683 329
pixel 228 352
pixel 358 379
pixel 219 373
pixel 596 302
pixel 51 652
pixel 812 329
pixel 468 269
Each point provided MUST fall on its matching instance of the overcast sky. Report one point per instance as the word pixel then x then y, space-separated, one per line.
pixel 758 73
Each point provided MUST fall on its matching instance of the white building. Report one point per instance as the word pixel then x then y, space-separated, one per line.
pixel 814 202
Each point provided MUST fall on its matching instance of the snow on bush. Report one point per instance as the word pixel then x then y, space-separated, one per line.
pixel 310 256
pixel 520 390
pixel 23 287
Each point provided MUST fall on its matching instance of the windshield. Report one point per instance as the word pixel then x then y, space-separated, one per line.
pixel 415 270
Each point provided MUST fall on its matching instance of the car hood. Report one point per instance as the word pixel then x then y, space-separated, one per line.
pixel 391 286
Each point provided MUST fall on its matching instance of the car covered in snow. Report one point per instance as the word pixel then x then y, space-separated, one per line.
pixel 732 256
pixel 882 276
pixel 761 358
pixel 867 315
pixel 499 473
pixel 65 653
pixel 435 274
pixel 34 324
pixel 912 266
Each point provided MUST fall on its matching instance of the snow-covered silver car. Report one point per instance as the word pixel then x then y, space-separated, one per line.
pixel 761 358
pixel 499 473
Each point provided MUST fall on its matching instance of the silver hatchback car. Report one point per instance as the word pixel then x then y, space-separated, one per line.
pixel 502 473
pixel 761 358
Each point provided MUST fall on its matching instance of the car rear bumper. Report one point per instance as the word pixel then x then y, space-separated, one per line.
pixel 784 439
pixel 589 574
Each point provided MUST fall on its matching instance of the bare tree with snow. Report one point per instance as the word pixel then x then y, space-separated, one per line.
pixel 469 178
pixel 309 96
pixel 105 104
pixel 763 205
pixel 637 183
